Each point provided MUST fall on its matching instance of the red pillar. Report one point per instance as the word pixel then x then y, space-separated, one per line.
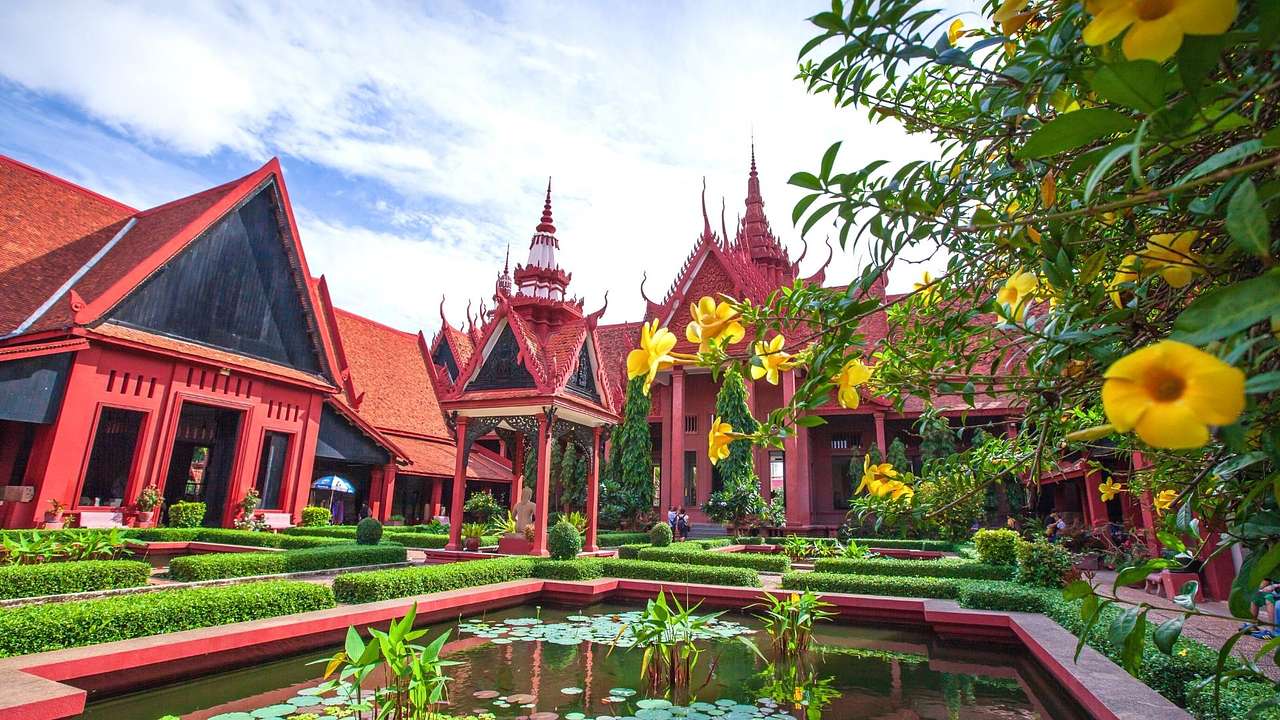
pixel 459 486
pixel 1095 510
pixel 795 472
pixel 676 479
pixel 593 492
pixel 1147 510
pixel 881 442
pixel 385 499
pixel 437 492
pixel 542 488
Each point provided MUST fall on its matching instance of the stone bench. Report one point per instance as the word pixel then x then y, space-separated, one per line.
pixel 277 521
pixel 1167 583
pixel 101 519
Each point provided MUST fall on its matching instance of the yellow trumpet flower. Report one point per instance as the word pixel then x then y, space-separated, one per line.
pixel 955 31
pixel 926 290
pixel 1156 27
pixel 853 374
pixel 772 360
pixel 1164 500
pixel 713 322
pixel 1017 294
pixel 1170 255
pixel 1128 272
pixel 1170 393
pixel 1110 489
pixel 653 355
pixel 718 440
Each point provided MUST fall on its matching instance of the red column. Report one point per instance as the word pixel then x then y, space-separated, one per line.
pixel 1094 509
pixel 1147 510
pixel 459 487
pixel 881 442
pixel 667 471
pixel 437 492
pixel 676 480
pixel 542 488
pixel 795 473
pixel 387 497
pixel 593 492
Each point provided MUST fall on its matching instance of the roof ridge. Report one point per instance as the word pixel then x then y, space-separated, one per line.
pixel 371 321
pixel 66 183
pixel 192 196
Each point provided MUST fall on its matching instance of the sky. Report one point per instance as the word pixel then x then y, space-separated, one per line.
pixel 417 138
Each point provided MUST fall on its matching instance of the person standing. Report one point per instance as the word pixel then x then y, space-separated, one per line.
pixel 682 524
pixel 671 518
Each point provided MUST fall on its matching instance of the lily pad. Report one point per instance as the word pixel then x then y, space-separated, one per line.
pixel 571 691
pixel 274 711
pixel 485 694
pixel 233 716
pixel 654 703
pixel 622 692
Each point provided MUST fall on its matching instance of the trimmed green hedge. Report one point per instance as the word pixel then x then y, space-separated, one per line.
pixel 755 561
pixel 56 578
pixel 580 569
pixel 614 539
pixel 680 572
pixel 53 626
pixel 388 584
pixel 191 568
pixel 407 536
pixel 1235 698
pixel 748 540
pixel 918 587
pixel 230 537
pixel 631 551
pixel 915 568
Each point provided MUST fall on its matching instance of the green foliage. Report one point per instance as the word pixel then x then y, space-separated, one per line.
pixel 483 506
pixel 631 551
pixel 191 568
pixel 937 437
pixel 919 587
pixel 230 537
pixel 748 540
pixel 1007 596
pixel 412 537
pixel 1236 699
pixel 52 626
pixel 579 569
pixel 897 455
pixel 1043 564
pixel 614 539
pixel 756 561
pixel 660 534
pixel 368 532
pixel 186 514
pixel 54 578
pixel 627 492
pixel 680 572
pixel 313 516
pixel 22 548
pixel 738 500
pixel 388 584
pixel 563 541
pixel 997 547
pixel 914 568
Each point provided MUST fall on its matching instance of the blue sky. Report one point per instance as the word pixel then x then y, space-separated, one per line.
pixel 417 139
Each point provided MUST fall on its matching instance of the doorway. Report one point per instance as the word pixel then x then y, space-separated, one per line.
pixel 204 450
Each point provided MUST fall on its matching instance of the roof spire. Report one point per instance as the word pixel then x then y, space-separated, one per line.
pixel 547 226
pixel 706 222
pixel 506 264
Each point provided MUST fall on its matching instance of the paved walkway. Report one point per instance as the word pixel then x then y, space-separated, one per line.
pixel 1212 631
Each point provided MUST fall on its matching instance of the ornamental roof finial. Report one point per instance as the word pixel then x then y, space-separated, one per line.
pixel 547 226
pixel 706 221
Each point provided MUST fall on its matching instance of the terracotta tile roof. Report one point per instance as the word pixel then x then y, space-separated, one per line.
pixel 387 366
pixel 435 457
pixel 461 345
pixel 203 352
pixel 614 342
pixel 49 228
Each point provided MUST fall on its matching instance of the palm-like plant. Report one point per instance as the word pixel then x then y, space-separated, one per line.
pixel 789 622
pixel 795 546
pixel 501 526
pixel 665 632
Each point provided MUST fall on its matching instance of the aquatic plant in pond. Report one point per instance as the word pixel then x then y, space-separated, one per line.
pixel 789 621
pixel 665 632
pixel 614 629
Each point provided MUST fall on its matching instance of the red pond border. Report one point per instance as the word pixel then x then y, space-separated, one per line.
pixel 51 685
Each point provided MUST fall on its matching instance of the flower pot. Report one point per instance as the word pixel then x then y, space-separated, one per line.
pixel 51 517
pixel 472 544
pixel 144 516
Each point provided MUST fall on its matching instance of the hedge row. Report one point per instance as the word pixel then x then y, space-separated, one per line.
pixel 191 568
pixel 53 626
pixel 631 551
pixel 886 543
pixel 55 578
pixel 388 584
pixel 755 561
pixel 748 540
pixel 918 587
pixel 407 536
pixel 679 572
pixel 579 569
pixel 614 539
pixel 231 537
pixel 914 568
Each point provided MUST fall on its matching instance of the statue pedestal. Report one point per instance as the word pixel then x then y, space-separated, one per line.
pixel 514 545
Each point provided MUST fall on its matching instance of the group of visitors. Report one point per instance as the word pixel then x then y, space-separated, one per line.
pixel 1263 606
pixel 679 522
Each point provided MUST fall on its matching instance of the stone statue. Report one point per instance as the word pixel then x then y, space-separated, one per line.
pixel 524 509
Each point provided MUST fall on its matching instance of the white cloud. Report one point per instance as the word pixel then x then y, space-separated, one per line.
pixel 456 117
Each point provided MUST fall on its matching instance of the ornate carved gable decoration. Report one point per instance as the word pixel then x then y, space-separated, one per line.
pixel 443 357
pixel 502 369
pixel 583 379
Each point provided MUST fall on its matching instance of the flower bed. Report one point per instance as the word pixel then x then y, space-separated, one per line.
pixel 20 581
pixel 191 568
pixel 915 568
pixel 37 628
pixel 766 563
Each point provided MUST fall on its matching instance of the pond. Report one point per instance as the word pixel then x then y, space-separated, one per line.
pixel 550 663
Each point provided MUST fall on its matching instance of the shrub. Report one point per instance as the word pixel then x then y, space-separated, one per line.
pixel 708 543
pixel 632 551
pixel 680 572
pixel 614 539
pixel 231 537
pixel 368 532
pixel 914 568
pixel 748 540
pixel 388 584
pixel 55 578
pixel 192 568
pixel 186 514
pixel 1042 564
pixel 579 569
pixel 1235 699
pixel 660 534
pixel 766 563
pixel 313 516
pixel 338 531
pixel 997 547
pixel 1006 596
pixel 52 626
pixel 563 541
pixel 919 587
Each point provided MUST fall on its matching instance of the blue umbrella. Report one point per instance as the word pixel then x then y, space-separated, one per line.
pixel 334 483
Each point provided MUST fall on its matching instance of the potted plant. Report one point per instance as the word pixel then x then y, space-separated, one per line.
pixel 53 518
pixel 148 501
pixel 248 519
pixel 471 534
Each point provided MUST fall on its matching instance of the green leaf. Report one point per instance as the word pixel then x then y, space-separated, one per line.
pixel 1077 590
pixel 817 215
pixel 1264 383
pixel 1264 565
pixel 1139 573
pixel 1138 84
pixel 1222 311
pixel 1186 597
pixel 1166 634
pixel 806 181
pixel 1197 58
pixel 1242 589
pixel 1222 159
pixel 1100 170
pixel 1247 221
pixel 1073 129
pixel 829 160
pixel 802 206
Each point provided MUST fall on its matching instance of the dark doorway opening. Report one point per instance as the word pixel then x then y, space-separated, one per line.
pixel 412 494
pixel 204 451
pixel 346 507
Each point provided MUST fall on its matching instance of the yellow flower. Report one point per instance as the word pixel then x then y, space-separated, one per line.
pixel 1016 294
pixel 955 31
pixel 926 290
pixel 1182 652
pixel 1109 489
pixel 1171 255
pixel 713 322
pixel 1164 500
pixel 1128 272
pixel 772 360
pixel 718 440
pixel 1157 25
pixel 653 355
pixel 1008 9
pixel 1170 393
pixel 876 477
pixel 853 374
pixel 798 695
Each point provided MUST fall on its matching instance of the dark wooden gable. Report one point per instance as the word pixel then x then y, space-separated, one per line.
pixel 583 379
pixel 502 369
pixel 443 357
pixel 233 288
